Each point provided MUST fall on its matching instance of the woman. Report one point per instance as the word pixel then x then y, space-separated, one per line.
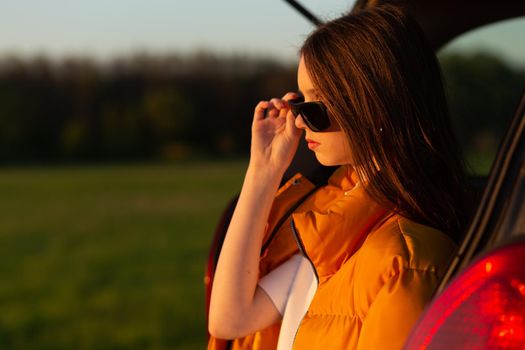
pixel 373 242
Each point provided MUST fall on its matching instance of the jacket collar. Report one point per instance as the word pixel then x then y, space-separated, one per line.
pixel 334 222
pixel 344 177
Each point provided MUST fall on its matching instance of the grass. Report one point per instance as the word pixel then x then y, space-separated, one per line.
pixel 108 257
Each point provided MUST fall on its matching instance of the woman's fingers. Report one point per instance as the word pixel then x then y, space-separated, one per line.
pixel 278 103
pixel 273 109
pixel 260 110
pixel 268 109
pixel 287 97
pixel 276 107
pixel 290 119
pixel 290 96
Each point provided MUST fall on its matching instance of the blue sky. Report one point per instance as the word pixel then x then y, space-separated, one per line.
pixel 103 28
pixel 106 28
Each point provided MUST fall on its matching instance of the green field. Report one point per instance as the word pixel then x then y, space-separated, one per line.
pixel 108 257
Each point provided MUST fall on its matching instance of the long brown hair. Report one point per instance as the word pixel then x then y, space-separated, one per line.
pixel 382 84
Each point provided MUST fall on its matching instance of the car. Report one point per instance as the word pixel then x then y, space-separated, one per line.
pixel 480 302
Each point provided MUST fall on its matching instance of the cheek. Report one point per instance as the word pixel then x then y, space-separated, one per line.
pixel 342 151
pixel 347 151
pixel 336 150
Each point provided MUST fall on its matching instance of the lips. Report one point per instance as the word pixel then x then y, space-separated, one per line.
pixel 312 144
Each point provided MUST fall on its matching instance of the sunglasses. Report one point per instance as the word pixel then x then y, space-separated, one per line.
pixel 314 113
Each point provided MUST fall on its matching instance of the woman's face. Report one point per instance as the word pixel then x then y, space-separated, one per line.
pixel 331 147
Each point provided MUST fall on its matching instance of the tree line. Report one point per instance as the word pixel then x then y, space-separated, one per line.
pixel 175 106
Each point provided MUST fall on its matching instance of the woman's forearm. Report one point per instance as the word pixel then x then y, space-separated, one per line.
pixel 237 306
pixel 236 276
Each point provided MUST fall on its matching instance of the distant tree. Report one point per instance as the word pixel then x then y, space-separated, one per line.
pixel 483 92
pixel 176 106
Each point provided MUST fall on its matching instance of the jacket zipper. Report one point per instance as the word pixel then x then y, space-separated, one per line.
pixel 303 251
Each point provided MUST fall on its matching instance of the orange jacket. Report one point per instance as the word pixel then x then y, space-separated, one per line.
pixel 376 270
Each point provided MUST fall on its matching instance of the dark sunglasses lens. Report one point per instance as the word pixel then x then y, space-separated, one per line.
pixel 315 116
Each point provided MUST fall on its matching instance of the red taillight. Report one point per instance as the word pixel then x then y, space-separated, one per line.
pixel 483 308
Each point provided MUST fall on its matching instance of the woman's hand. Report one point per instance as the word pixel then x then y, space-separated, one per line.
pixel 274 135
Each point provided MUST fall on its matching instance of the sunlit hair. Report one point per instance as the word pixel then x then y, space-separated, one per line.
pixel 381 83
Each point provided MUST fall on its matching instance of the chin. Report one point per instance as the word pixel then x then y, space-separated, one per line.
pixel 327 161
pixel 331 161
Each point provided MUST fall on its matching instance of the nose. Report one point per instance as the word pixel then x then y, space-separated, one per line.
pixel 299 122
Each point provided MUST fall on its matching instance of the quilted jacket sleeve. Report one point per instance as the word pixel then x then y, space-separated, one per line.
pixel 396 309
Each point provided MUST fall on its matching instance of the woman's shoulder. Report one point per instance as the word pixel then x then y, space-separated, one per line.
pixel 399 243
pixel 400 255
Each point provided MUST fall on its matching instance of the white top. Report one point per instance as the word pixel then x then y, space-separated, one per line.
pixel 291 287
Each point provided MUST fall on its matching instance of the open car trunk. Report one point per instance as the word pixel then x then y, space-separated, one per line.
pixel 498 217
